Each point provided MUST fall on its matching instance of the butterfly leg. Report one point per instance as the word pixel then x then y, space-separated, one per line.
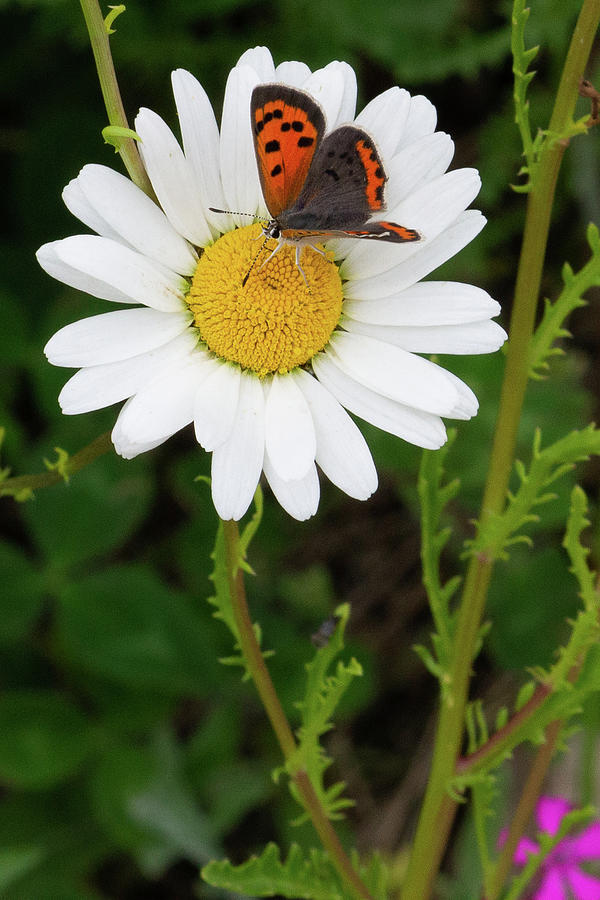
pixel 299 267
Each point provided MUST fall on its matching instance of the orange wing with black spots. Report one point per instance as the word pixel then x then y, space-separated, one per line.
pixel 288 126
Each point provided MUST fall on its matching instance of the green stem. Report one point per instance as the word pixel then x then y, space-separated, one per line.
pixel 266 690
pixel 111 94
pixel 22 484
pixel 438 808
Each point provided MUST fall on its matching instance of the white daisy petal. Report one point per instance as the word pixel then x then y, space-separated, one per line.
pixel 469 337
pixel 237 463
pixel 292 73
pixel 135 218
pixel 163 406
pixel 133 276
pixel 342 452
pixel 172 178
pixel 95 387
pixel 334 87
pixel 200 137
pixel 394 372
pixel 426 258
pixel 467 403
pixel 129 447
pixel 385 119
pixel 216 405
pixel 260 59
pixel 426 303
pixel 421 161
pixel 289 431
pixel 239 172
pixel 299 497
pixel 78 204
pixel 430 209
pixel 421 120
pixel 52 263
pixel 412 425
pixel 114 336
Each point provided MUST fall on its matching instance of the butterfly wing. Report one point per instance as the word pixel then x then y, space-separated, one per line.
pixel 343 189
pixel 287 126
pixel 344 185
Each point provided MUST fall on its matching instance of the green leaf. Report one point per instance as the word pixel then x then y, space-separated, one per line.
pixel 115 11
pixel 142 797
pixel 434 496
pixel 522 58
pixel 312 878
pixel 551 327
pixel 220 577
pixel 45 739
pixel 15 862
pixel 93 514
pixel 323 693
pixel 128 627
pixel 501 531
pixel 117 135
pixel 22 594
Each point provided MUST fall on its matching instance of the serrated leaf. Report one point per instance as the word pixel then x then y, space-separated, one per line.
pixel 551 327
pixel 312 878
pixel 434 495
pixel 322 695
pixel 547 465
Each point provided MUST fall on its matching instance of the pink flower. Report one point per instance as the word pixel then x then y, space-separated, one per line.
pixel 560 875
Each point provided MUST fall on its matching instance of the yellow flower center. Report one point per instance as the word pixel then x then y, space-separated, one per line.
pixel 270 320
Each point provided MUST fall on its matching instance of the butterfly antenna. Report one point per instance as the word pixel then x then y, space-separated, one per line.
pixel 231 212
pixel 260 250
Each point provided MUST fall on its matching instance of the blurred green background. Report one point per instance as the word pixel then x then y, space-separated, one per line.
pixel 128 755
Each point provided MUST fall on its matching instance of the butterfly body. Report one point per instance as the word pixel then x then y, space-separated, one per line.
pixel 316 185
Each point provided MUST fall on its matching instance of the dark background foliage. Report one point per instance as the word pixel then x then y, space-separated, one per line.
pixel 128 754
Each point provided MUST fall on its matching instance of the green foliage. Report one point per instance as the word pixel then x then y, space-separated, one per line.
pixel 551 326
pixel 502 531
pixel 323 694
pixel 522 58
pixel 224 569
pixel 45 739
pixel 564 687
pixel 434 497
pixel 309 876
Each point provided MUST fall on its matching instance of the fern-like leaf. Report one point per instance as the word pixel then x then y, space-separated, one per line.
pixel 551 327
pixel 309 876
pixel 434 496
pixel 499 532
pixel 323 693
pixel 219 576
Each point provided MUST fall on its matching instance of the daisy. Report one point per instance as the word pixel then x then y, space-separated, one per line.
pixel 266 364
pixel 560 875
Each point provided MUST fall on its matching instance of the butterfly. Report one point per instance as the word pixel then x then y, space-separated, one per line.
pixel 317 185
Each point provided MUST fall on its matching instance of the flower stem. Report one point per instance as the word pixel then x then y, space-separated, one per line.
pixel 22 485
pixel 268 695
pixel 110 92
pixel 439 808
